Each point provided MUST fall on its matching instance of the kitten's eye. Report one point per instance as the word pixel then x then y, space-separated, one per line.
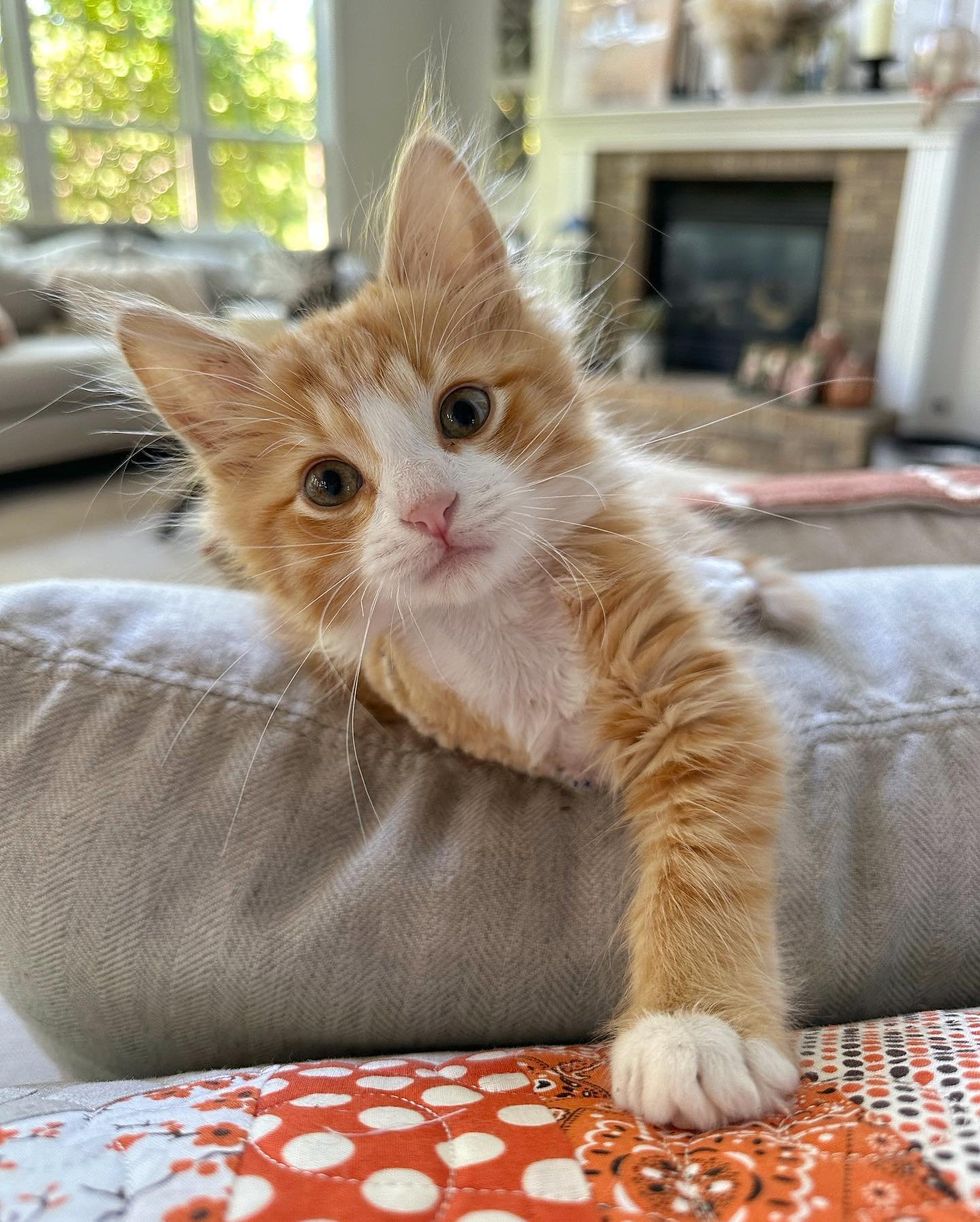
pixel 331 482
pixel 463 412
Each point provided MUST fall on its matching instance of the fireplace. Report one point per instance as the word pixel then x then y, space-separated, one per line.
pixel 901 250
pixel 736 261
pixel 761 243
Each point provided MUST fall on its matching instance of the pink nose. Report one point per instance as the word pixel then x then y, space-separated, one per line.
pixel 433 514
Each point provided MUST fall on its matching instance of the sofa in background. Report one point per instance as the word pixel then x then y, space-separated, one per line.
pixel 62 393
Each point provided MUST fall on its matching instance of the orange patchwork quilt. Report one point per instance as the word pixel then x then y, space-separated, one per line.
pixel 886 1126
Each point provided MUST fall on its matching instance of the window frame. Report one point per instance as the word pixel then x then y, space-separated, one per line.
pixel 192 128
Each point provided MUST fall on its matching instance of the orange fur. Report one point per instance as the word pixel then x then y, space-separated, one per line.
pixel 666 709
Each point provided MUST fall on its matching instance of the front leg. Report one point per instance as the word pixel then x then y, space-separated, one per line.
pixel 701 1040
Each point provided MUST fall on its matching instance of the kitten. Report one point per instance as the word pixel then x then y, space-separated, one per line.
pixel 421 483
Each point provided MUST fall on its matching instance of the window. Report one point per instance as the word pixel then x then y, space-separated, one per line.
pixel 13 197
pixel 167 111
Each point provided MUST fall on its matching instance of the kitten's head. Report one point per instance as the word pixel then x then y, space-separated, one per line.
pixel 425 443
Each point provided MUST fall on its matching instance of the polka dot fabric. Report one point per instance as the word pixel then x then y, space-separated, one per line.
pixel 885 1127
pixel 921 1074
pixel 448 1138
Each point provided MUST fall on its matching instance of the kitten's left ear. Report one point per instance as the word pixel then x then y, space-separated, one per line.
pixel 440 230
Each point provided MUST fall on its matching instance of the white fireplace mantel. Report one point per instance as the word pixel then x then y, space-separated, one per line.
pixel 565 175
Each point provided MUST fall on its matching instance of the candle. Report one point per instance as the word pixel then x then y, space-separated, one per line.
pixel 876 29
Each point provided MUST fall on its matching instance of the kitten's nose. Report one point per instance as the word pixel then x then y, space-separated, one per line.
pixel 433 514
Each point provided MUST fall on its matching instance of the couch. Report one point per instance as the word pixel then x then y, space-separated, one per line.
pixel 170 908
pixel 62 395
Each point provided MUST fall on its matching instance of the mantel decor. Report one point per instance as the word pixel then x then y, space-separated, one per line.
pixel 753 38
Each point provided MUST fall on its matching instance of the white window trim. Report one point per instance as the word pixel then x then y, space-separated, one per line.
pixel 31 131
pixel 192 122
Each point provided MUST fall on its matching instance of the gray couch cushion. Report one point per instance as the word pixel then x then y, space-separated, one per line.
pixel 58 401
pixel 52 370
pixel 22 293
pixel 186 884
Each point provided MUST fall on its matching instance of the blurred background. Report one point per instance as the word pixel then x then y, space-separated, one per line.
pixel 771 208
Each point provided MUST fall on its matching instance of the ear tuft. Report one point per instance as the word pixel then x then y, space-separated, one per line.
pixel 441 234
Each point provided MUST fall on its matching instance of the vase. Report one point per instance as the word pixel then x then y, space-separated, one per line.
pixel 743 74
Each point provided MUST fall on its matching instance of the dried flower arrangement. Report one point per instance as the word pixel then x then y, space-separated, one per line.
pixel 762 25
pixel 749 33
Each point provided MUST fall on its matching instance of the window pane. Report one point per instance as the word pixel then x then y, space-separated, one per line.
pixel 278 188
pixel 260 65
pixel 104 60
pixel 13 197
pixel 13 194
pixel 114 176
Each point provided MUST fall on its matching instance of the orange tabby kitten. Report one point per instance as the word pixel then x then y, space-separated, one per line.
pixel 421 483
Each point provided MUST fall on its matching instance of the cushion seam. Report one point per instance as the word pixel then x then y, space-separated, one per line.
pixel 872 733
pixel 942 706
pixel 841 726
pixel 255 700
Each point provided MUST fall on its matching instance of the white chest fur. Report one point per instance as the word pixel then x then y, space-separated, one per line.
pixel 515 660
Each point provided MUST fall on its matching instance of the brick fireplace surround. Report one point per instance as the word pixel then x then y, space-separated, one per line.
pixel 900 265
pixel 861 233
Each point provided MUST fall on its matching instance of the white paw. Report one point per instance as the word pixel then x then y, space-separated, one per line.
pixel 694 1071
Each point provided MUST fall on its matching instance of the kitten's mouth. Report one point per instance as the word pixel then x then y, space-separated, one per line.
pixel 455 556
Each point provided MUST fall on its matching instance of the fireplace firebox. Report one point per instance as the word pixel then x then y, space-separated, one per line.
pixel 736 261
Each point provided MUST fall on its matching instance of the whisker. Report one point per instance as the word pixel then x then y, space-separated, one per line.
pixel 350 743
pixel 432 658
pixel 558 585
pixel 560 416
pixel 258 745
pixel 570 567
pixel 707 424
pixel 211 686
pixel 737 509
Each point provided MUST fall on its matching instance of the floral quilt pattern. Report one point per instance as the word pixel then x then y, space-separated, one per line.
pixel 886 1126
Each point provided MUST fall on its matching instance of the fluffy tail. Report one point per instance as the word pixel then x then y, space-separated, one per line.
pixel 780 600
pixel 753 588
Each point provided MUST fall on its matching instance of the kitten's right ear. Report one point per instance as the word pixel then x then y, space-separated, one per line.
pixel 199 379
pixel 441 234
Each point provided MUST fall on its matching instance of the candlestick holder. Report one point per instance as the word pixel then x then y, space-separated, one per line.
pixel 874 82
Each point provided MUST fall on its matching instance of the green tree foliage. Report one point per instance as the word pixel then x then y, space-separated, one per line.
pixel 13 201
pixel 255 81
pixel 106 76
pixel 114 176
pixel 3 79
pixel 271 186
pixel 105 61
